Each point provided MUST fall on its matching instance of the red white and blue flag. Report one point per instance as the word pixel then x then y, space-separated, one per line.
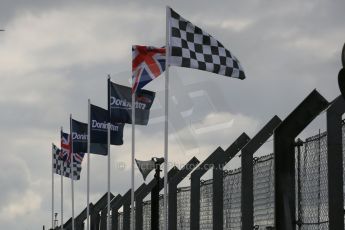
pixel 65 153
pixel 148 63
pixel 65 157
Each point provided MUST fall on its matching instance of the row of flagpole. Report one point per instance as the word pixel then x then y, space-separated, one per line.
pixel 220 62
pixel 88 176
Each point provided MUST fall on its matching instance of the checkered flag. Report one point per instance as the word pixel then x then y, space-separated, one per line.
pixel 57 161
pixel 192 47
pixel 77 160
pixel 67 169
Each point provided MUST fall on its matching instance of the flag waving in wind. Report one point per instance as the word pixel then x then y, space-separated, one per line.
pixel 65 153
pixel 192 47
pixel 148 63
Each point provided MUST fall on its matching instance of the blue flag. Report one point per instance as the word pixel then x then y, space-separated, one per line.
pixel 99 127
pixel 120 104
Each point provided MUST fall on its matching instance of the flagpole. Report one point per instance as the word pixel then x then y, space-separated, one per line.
pixel 133 155
pixel 72 171
pixel 166 120
pixel 109 123
pixel 108 218
pixel 61 180
pixel 88 169
pixel 52 187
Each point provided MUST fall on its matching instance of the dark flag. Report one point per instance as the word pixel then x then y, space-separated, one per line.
pixel 120 104
pixel 145 167
pixel 341 81
pixel 341 75
pixel 99 127
pixel 79 136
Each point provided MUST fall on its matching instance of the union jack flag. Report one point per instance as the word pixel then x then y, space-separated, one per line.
pixel 64 157
pixel 65 153
pixel 148 63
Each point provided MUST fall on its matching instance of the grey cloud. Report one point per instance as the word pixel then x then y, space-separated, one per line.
pixel 286 48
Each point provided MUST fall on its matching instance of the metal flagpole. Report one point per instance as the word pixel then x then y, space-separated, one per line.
pixel 72 171
pixel 108 211
pixel 166 120
pixel 88 169
pixel 109 135
pixel 61 177
pixel 133 155
pixel 52 186
pixel 108 142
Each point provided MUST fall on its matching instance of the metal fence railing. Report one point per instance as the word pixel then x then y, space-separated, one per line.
pixel 311 192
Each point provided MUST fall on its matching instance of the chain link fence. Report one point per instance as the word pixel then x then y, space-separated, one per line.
pixel 312 207
pixel 311 192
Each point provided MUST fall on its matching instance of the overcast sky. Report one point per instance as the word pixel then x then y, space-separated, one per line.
pixel 54 55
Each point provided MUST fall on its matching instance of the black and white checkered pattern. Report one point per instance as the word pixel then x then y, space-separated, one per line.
pixel 66 165
pixel 192 47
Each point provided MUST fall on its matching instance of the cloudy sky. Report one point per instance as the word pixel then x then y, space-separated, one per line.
pixel 55 55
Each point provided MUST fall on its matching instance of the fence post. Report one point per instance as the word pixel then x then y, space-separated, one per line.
pixel 172 203
pixel 195 187
pixel 79 220
pixel 217 186
pixel 126 202
pixel 284 157
pixel 299 143
pixel 139 197
pixel 335 164
pixel 247 191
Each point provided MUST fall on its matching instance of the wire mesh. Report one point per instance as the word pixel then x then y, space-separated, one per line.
pixel 263 176
pixel 232 199
pixel 313 200
pixel 206 205
pixel 183 208
pixel 147 215
pixel 311 193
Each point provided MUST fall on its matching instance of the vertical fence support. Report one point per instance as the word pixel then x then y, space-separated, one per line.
pixel 155 201
pixel 79 220
pixel 247 191
pixel 126 202
pixel 126 217
pixel 195 186
pixel 218 173
pixel 335 164
pixel 299 143
pixel 284 158
pixel 139 197
pixel 114 219
pixel 172 202
pixel 97 208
